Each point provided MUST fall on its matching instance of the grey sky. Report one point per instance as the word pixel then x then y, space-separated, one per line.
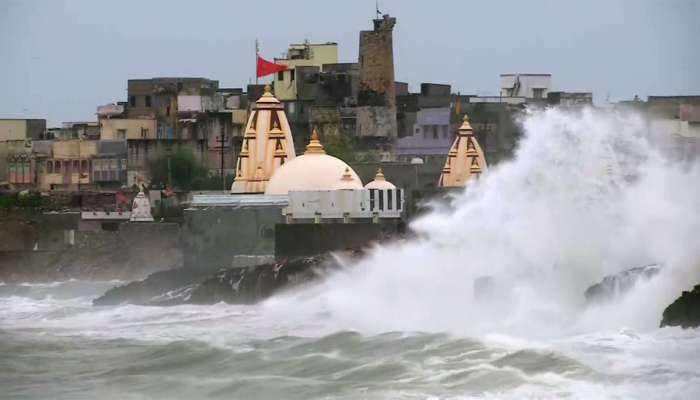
pixel 60 59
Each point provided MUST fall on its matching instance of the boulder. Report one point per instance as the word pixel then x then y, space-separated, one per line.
pixel 684 311
pixel 154 289
pixel 613 286
pixel 229 285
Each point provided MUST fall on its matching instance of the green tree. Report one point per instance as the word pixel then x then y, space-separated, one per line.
pixel 186 172
pixel 341 146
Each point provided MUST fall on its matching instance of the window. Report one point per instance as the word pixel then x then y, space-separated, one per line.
pixel 83 167
pixel 417 131
pixel 148 101
pixel 57 167
pixel 121 134
pixel 538 93
pixel 291 73
pixel 399 196
pixel 381 199
pixel 132 101
pixel 49 167
pixel 76 167
pixel 280 76
pixel 371 199
pixel 390 198
pixel 444 131
pixel 112 163
pixel 144 132
pixel 435 132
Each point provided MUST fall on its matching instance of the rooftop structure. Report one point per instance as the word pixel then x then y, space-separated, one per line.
pixel 530 86
pixel 302 55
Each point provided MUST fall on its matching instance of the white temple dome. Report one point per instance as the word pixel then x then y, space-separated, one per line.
pixel 315 170
pixel 380 182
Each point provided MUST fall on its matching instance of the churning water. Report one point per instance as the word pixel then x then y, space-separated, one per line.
pixel 587 195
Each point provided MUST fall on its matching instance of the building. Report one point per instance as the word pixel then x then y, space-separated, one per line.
pixel 108 166
pixel 315 55
pixel 17 167
pixel 570 99
pixel 465 160
pixel 165 113
pixel 674 121
pixel 424 122
pixel 65 164
pixel 529 86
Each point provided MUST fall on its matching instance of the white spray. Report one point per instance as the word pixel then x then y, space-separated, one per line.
pixel 586 195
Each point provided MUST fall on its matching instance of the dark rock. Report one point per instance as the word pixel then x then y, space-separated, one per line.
pixel 230 285
pixel 252 284
pixel 613 286
pixel 684 311
pixel 153 289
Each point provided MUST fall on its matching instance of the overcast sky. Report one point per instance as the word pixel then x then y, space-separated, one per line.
pixel 60 59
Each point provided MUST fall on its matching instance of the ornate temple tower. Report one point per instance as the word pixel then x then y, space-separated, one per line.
pixel 267 144
pixel 465 160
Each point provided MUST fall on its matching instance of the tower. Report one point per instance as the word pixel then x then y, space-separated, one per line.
pixel 465 160
pixel 267 144
pixel 376 98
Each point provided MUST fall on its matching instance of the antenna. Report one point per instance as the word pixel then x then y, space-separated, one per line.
pixel 376 8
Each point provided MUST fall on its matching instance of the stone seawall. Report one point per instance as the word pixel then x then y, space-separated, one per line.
pixel 48 248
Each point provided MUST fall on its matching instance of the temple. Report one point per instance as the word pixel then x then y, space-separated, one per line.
pixel 141 208
pixel 314 170
pixel 465 160
pixel 267 145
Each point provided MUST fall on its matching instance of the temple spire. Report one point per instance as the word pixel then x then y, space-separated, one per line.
pixel 267 144
pixel 465 160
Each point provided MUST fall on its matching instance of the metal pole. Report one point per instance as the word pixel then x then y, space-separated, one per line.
pixel 222 140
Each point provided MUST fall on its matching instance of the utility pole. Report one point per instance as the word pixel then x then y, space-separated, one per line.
pixel 222 141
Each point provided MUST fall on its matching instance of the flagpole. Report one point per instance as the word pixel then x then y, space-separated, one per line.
pixel 257 52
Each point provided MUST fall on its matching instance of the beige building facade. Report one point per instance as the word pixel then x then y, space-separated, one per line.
pixel 127 128
pixel 302 55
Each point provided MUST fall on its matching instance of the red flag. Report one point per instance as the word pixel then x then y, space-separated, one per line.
pixel 266 68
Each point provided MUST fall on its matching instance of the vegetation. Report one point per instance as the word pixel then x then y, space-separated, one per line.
pixel 348 149
pixel 23 199
pixel 186 172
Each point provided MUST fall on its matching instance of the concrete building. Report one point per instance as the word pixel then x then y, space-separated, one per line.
pixel 674 122
pixel 165 113
pixel 17 168
pixel 127 128
pixel 108 166
pixel 570 99
pixel 424 122
pixel 529 86
pixel 66 164
pixel 306 54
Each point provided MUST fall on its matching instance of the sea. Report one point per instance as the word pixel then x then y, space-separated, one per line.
pixel 589 193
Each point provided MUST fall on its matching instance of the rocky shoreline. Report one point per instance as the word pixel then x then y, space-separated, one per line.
pixel 229 285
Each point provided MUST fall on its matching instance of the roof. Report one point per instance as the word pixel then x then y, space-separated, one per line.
pixel 238 200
